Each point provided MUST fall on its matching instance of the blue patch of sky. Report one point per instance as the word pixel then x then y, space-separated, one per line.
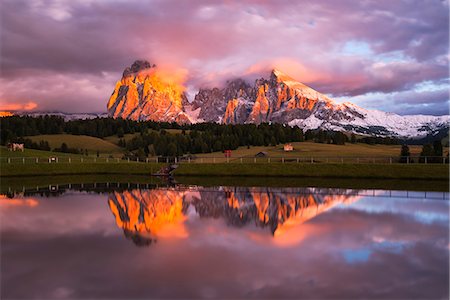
pixel 429 86
pixel 389 57
pixel 391 246
pixel 403 207
pixel 352 256
pixel 354 47
pixel 363 49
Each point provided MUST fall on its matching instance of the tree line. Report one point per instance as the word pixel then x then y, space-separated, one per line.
pixel 431 153
pixel 154 138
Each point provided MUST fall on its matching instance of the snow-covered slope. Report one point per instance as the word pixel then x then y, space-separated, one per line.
pixel 66 116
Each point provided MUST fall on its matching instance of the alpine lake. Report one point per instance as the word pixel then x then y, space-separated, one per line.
pixel 134 238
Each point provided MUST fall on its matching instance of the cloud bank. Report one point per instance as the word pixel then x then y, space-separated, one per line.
pixel 67 55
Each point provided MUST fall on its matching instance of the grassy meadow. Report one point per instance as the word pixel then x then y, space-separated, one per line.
pixel 308 149
pixel 92 144
pixel 33 169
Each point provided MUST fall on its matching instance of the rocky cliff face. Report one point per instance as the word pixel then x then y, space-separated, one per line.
pixel 143 95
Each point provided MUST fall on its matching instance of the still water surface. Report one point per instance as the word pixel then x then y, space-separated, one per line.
pixel 225 242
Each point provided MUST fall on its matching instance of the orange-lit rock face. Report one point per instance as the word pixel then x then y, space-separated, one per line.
pixel 260 111
pixel 143 94
pixel 294 94
pixel 230 112
pixel 145 215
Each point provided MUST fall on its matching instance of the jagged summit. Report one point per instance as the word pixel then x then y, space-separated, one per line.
pixel 142 94
pixel 137 66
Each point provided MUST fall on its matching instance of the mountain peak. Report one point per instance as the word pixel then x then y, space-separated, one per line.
pixel 137 66
pixel 143 94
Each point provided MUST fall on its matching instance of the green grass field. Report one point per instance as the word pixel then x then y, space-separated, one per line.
pixel 4 153
pixel 114 139
pixel 379 171
pixel 308 149
pixel 93 144
pixel 30 169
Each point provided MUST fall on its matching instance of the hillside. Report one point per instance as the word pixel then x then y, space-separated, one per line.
pixel 92 144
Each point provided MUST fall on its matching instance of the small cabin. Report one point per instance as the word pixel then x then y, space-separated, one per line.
pixel 227 153
pixel 261 154
pixel 288 147
pixel 15 147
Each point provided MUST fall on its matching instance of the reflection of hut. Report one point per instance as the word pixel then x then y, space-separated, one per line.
pixel 288 147
pixel 261 154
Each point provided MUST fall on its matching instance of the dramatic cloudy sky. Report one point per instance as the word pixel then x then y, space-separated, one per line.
pixel 66 55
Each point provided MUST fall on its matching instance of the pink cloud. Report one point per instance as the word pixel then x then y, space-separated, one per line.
pixel 210 42
pixel 30 105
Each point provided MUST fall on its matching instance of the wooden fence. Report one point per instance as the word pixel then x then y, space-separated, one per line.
pixel 222 159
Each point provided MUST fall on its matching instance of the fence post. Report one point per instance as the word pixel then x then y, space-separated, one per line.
pixel 268 160
pixel 312 160
pixel 167 160
pixel 146 160
pixel 254 160
pixel 95 159
pixel 189 160
pixel 107 159
pixel 282 159
pixel 37 160
pixel 70 160
pixel 425 159
pixel 23 160
pixel 9 160
pixel 214 160
pixel 81 159
pixel 128 159
pixel 241 160
pixel 297 159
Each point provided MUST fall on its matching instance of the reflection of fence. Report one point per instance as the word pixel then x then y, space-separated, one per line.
pixel 114 186
pixel 242 160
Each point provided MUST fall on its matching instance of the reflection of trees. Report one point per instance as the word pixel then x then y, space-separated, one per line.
pixel 143 214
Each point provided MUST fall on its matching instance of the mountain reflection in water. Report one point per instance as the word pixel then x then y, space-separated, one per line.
pixel 146 214
pixel 225 242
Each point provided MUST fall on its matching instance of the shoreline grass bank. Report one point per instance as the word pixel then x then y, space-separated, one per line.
pixel 367 171
pixel 132 168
